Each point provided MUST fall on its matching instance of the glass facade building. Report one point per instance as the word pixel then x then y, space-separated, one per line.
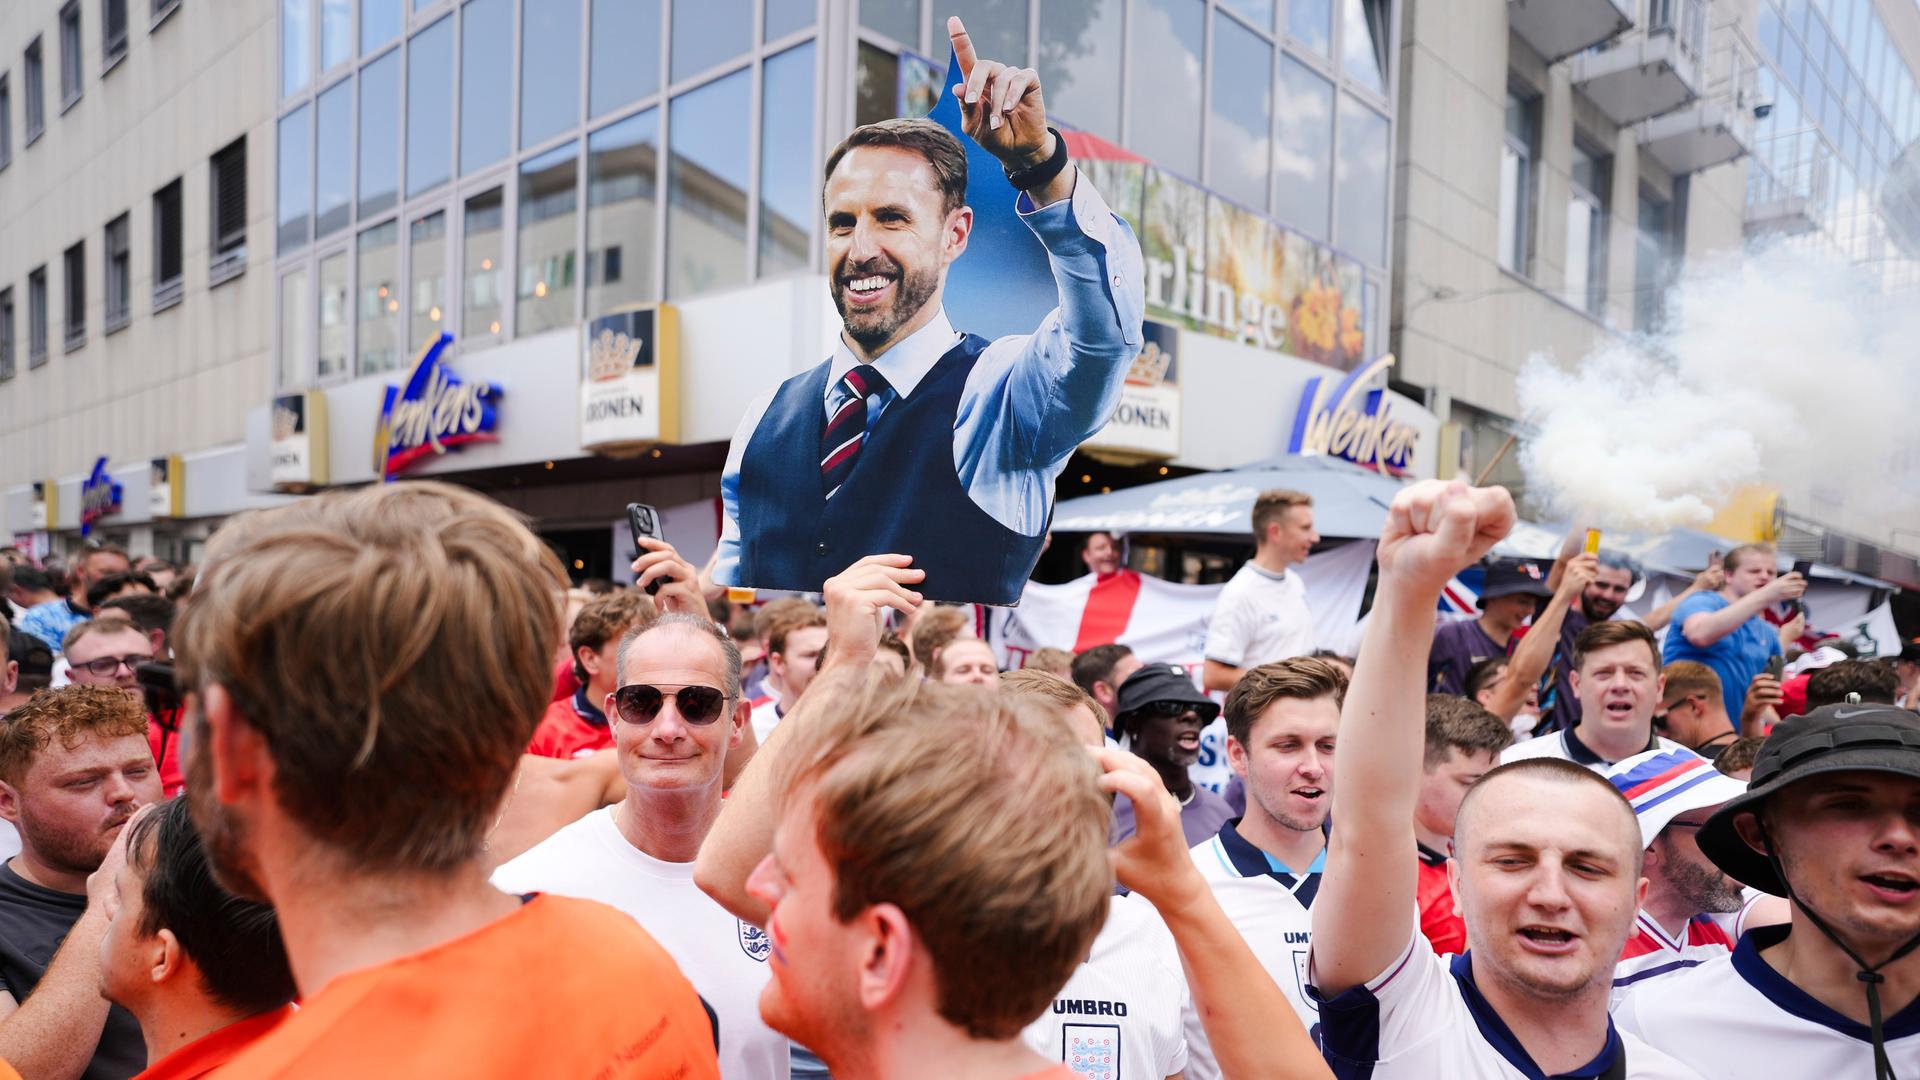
pixel 1845 108
pixel 495 169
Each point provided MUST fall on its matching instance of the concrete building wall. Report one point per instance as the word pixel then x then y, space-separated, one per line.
pixel 179 380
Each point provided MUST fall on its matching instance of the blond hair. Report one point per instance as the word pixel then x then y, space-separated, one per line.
pixel 71 714
pixel 1050 659
pixel 1000 867
pixel 1686 678
pixel 1049 689
pixel 392 646
pixel 106 622
pixel 935 630
pixel 1730 563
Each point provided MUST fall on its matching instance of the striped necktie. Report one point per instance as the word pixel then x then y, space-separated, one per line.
pixel 845 433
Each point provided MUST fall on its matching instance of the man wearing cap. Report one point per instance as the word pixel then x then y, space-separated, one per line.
pixel 1506 601
pixel 1161 714
pixel 1831 821
pixel 1692 912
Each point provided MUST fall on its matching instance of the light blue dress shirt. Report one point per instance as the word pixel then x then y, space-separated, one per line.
pixel 1030 398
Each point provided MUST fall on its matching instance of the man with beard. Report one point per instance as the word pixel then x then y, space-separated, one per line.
pixel 1693 912
pixel 914 438
pixel 74 766
pixel 1828 823
pixel 1161 716
pixel 361 671
pixel 1546 869
pixel 1264 867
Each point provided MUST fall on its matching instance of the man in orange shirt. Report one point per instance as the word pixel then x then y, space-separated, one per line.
pixel 361 672
pixel 202 970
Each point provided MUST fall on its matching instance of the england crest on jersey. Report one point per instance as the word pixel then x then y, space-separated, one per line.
pixel 754 941
pixel 1092 1051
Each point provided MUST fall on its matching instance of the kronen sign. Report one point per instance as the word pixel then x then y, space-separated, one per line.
pixel 1354 424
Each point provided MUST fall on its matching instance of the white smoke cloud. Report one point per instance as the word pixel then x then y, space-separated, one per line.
pixel 1778 368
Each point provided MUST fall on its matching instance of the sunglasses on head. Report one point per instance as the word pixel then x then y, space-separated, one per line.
pixel 639 703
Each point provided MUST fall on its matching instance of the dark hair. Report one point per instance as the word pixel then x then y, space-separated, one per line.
pixel 1457 723
pixel 1740 754
pixel 148 611
pixel 1300 677
pixel 1482 674
pixel 1605 635
pixel 923 137
pixel 1873 680
pixel 35 658
pixel 98 592
pixel 33 579
pixel 1096 665
pixel 234 943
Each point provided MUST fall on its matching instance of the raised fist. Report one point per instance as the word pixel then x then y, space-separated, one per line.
pixel 1435 529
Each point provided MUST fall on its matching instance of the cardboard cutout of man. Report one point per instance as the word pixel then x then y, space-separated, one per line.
pixel 913 438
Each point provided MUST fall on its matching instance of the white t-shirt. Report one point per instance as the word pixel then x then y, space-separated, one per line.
pixel 724 958
pixel 1566 746
pixel 1736 1017
pixel 764 718
pixel 1259 618
pixel 1119 1014
pixel 1272 911
pixel 1423 1018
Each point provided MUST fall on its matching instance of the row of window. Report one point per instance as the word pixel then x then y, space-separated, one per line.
pixel 113 46
pixel 227 182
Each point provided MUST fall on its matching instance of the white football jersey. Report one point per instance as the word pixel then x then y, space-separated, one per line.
pixel 724 958
pixel 1567 746
pixel 764 718
pixel 1738 1017
pixel 1119 1016
pixel 1272 911
pixel 1424 1018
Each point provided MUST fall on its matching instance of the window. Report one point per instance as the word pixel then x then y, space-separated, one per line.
pixel 1303 154
pixel 1259 13
pixel 707 187
pixel 486 91
pixel 73 266
pixel 483 264
pixel 1587 231
pixel 113 31
pixel 6 333
pixel 380 134
pixel 622 191
pixel 36 108
pixel 427 263
pixel 296 178
pixel 333 159
pixel 784 17
pixel 711 32
pixel 429 107
pixel 625 62
pixel 294 323
pixel 119 275
pixel 1239 158
pixel 1363 43
pixel 994 34
pixel 296 45
pixel 547 253
pixel 1310 22
pixel 898 19
pixel 378 313
pixel 876 85
pixel 1080 63
pixel 6 122
pixel 227 179
pixel 333 316
pixel 37 317
pixel 1517 155
pixel 1166 93
pixel 69 54
pixel 336 33
pixel 1362 174
pixel 162 9
pixel 549 61
pixel 1652 255
pixel 167 285
pixel 380 22
pixel 788 205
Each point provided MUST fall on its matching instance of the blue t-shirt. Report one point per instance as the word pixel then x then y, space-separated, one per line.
pixel 1736 658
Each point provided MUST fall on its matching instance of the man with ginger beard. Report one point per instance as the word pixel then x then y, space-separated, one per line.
pixel 913 437
pixel 74 766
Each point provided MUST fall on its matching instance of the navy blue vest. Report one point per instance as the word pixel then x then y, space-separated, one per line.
pixel 902 497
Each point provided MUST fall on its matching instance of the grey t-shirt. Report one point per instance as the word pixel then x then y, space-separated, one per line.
pixel 34 920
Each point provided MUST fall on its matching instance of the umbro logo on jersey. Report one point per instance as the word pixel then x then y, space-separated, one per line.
pixel 1089 1007
pixel 754 941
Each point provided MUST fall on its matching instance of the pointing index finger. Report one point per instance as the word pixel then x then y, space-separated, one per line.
pixel 962 45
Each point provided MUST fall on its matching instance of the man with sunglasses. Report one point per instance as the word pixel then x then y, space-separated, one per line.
pixel 1161 717
pixel 676 715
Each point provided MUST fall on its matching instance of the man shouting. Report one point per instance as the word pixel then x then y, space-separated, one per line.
pixel 913 437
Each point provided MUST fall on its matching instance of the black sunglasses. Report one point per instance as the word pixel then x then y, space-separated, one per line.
pixel 639 703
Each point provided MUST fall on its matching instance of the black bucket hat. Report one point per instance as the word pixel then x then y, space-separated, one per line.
pixel 1155 683
pixel 1830 739
pixel 1509 577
